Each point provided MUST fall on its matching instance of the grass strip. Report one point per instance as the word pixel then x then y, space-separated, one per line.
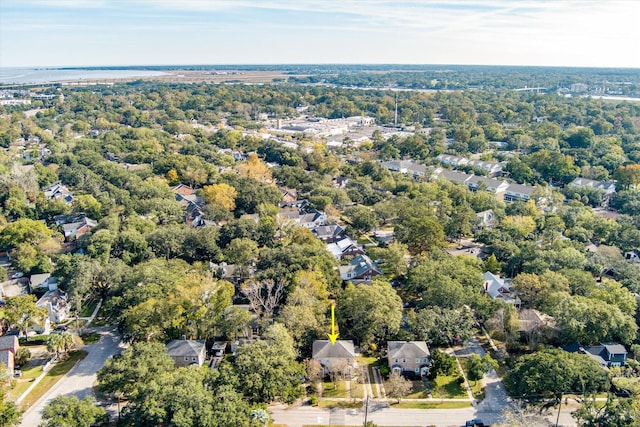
pixel 52 377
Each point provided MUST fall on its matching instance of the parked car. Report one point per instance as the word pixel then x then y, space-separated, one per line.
pixel 17 374
pixel 17 275
pixel 475 423
pixel 61 328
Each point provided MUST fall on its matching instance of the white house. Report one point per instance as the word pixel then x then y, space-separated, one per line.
pixel 499 288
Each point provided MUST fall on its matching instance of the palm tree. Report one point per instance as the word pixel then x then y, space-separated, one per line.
pixel 260 416
pixel 60 343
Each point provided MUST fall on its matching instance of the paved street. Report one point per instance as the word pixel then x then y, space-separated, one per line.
pixel 383 416
pixel 79 381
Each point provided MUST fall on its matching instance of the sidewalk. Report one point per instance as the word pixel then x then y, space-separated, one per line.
pixel 47 367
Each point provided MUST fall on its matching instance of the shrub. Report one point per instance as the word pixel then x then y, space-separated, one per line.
pixel 23 356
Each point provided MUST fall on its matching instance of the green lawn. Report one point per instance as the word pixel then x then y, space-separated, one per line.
pixel 29 373
pixel 419 391
pixel 371 361
pixel 88 307
pixel 430 405
pixel 52 377
pixel 447 387
pixel 330 389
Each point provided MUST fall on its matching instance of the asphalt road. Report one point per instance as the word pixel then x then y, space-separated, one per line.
pixel 384 416
pixel 79 380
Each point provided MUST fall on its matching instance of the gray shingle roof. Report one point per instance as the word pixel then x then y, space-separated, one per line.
pixel 184 348
pixel 408 349
pixel 341 349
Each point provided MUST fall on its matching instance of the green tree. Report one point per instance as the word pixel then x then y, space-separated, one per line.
pixel 9 413
pixel 443 364
pixel 60 344
pixel 368 313
pixel 22 312
pixel 267 369
pixel 421 234
pixel 24 231
pixel 69 411
pixel 547 374
pixel 615 413
pixel 478 366
pixel 23 356
pixel 138 364
pixel 441 326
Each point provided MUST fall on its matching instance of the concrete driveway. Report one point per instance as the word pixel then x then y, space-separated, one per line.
pixel 79 380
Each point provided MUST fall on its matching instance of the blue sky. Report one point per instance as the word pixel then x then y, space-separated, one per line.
pixel 150 32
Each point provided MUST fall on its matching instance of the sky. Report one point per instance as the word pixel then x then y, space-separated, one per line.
pixel 596 33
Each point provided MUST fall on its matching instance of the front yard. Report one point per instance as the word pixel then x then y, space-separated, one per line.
pixel 448 387
pixel 29 373
pixel 418 390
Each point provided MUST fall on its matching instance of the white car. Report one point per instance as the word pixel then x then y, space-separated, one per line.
pixel 18 275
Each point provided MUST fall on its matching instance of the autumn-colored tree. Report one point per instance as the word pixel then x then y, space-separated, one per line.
pixel 172 176
pixel 220 194
pixel 255 168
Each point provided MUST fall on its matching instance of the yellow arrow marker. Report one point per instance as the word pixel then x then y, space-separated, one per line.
pixel 333 336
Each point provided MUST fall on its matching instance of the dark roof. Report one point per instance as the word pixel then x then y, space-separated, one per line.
pixel 184 348
pixel 9 342
pixel 341 349
pixel 408 349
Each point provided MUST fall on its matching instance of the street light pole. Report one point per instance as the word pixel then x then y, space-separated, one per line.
pixel 366 410
pixel 559 406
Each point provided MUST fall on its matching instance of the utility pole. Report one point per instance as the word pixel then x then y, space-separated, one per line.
pixel 395 120
pixel 366 410
pixel 559 406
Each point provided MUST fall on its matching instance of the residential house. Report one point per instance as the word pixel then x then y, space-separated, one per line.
pixel 187 352
pixel 632 256
pixel 406 167
pixel 252 329
pixel 384 236
pixel 344 248
pixel 494 168
pixel 361 269
pixel 74 225
pixel 44 281
pixel 607 189
pixel 473 182
pixel 289 195
pixel 409 357
pixel 341 182
pixel 233 273
pixel 310 219
pixel 184 194
pixel 497 187
pixel 535 325
pixel 8 349
pixel 485 220
pixel 337 358
pixel 518 192
pixel 58 191
pixel 607 354
pixel 57 305
pixel 499 288
pixel 298 204
pixel 329 233
pixel 218 348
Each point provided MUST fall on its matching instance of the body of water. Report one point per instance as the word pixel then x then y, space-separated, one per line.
pixel 49 75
